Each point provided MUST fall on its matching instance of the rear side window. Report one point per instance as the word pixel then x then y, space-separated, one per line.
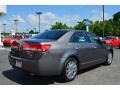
pixel 51 35
pixel 79 37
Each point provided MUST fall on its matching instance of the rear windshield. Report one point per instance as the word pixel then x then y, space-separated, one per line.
pixel 51 35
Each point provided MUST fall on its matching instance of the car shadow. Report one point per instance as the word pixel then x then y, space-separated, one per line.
pixel 89 68
pixel 25 79
pixel 20 77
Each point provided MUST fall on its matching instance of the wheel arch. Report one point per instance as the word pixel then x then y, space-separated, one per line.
pixel 76 58
pixel 66 58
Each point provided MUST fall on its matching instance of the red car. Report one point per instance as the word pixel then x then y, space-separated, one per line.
pixel 8 40
pixel 112 40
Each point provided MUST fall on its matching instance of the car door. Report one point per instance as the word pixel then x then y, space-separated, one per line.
pixel 84 49
pixel 99 51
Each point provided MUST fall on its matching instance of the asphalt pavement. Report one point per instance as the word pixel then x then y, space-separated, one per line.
pixel 97 75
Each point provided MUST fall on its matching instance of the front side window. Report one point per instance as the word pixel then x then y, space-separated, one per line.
pixel 93 38
pixel 79 37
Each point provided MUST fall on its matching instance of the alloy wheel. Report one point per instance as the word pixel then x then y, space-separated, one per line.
pixel 71 69
pixel 110 58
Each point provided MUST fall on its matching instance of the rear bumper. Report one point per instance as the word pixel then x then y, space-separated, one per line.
pixel 42 67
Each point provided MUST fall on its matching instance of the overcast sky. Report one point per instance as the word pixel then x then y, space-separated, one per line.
pixel 69 14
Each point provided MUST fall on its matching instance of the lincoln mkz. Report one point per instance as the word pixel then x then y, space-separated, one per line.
pixel 59 52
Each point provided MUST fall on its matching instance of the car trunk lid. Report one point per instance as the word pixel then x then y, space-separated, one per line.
pixel 30 48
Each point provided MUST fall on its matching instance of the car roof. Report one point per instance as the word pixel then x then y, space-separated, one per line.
pixel 69 30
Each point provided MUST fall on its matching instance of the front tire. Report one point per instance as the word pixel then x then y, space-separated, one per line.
pixel 109 58
pixel 70 69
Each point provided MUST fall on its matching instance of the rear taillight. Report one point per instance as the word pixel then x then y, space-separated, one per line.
pixel 36 47
pixel 14 44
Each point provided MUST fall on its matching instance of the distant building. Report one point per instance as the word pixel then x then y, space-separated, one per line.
pixel 3 12
pixel 12 32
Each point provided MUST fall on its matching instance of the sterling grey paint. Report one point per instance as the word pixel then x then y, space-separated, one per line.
pixel 52 62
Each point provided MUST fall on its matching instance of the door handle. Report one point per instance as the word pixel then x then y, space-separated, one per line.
pixel 94 47
pixel 78 47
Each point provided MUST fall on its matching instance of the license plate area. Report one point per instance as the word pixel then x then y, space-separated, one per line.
pixel 18 63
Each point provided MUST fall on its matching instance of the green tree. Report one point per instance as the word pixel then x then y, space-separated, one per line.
pixel 31 32
pixel 79 26
pixel 116 16
pixel 97 28
pixel 116 23
pixel 59 25
pixel 108 28
pixel 111 26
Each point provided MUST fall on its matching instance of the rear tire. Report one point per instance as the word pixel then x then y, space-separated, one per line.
pixel 70 69
pixel 109 58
